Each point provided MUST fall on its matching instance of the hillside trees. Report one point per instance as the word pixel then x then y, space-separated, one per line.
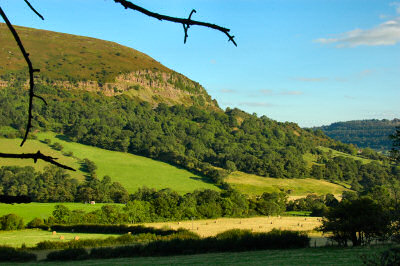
pixel 186 23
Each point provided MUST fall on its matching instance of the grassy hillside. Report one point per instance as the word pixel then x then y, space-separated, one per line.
pixel 77 62
pixel 256 185
pixel 130 170
pixel 60 55
pixel 134 171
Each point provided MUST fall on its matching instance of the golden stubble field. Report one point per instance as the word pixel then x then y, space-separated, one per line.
pixel 212 227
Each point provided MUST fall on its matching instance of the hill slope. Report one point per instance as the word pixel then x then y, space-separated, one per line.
pixel 130 170
pixel 363 133
pixel 76 62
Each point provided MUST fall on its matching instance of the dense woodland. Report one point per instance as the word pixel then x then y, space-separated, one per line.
pixel 193 137
pixel 364 133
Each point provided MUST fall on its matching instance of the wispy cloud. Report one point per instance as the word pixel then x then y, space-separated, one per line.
pixel 387 33
pixel 227 91
pixel 307 79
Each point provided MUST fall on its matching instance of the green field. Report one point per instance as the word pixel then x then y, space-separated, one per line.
pixel 28 211
pixel 130 170
pixel 305 256
pixel 30 237
pixel 338 153
pixel 256 185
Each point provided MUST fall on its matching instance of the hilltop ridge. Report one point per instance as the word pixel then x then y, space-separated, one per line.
pixel 76 62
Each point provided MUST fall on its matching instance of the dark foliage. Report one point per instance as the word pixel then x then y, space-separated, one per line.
pixel 359 221
pixel 68 254
pixel 9 254
pixel 15 199
pixel 187 243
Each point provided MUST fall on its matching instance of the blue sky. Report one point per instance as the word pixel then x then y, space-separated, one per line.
pixel 312 62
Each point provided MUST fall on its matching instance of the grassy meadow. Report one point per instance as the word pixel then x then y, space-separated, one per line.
pixel 130 170
pixel 30 237
pixel 256 185
pixel 28 211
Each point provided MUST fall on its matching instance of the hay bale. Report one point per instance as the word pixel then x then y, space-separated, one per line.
pixel 61 237
pixel 54 233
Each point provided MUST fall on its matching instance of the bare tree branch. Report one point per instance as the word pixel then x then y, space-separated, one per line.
pixel 31 72
pixel 185 22
pixel 36 156
pixel 33 9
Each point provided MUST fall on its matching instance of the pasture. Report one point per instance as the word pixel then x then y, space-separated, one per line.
pixel 28 211
pixel 130 170
pixel 299 187
pixel 30 237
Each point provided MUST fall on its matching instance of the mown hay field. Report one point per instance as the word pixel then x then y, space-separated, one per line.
pixel 212 227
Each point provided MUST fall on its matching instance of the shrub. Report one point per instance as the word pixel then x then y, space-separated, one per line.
pixel 11 222
pixel 68 254
pixel 35 223
pixel 57 146
pixel 12 254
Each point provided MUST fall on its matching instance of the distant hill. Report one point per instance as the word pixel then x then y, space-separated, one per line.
pixel 363 133
pixel 75 62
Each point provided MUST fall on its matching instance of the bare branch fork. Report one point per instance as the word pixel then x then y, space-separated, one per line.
pixel 36 156
pixel 185 22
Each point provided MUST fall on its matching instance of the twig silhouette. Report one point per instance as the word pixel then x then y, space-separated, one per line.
pixel 186 22
pixel 31 72
pixel 36 156
pixel 33 9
